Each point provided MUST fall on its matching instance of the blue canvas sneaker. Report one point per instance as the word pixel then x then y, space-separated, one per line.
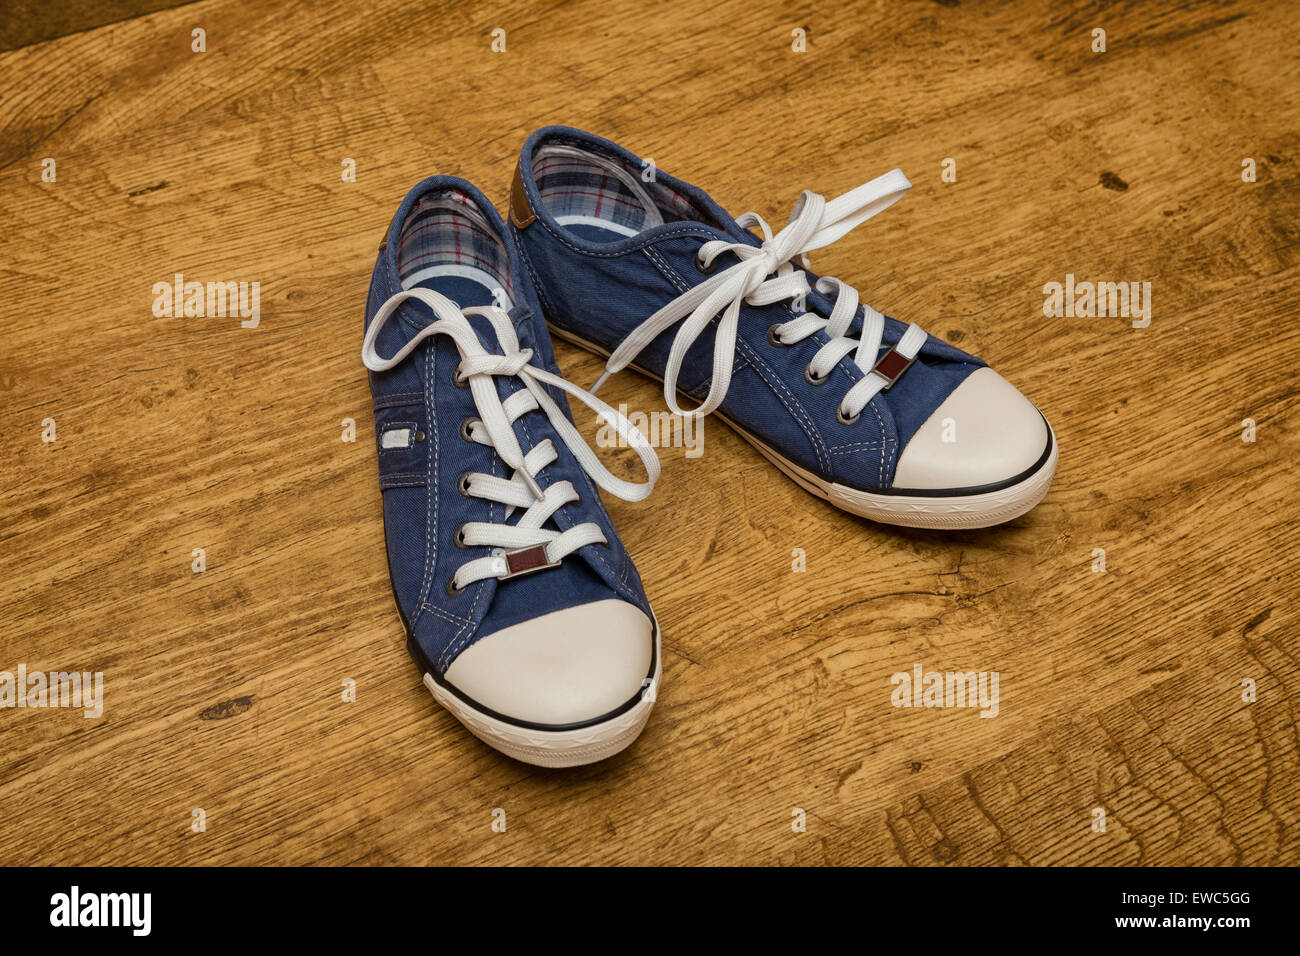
pixel 520 604
pixel 874 416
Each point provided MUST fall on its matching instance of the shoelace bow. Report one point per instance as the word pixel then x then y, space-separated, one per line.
pixel 814 223
pixel 494 428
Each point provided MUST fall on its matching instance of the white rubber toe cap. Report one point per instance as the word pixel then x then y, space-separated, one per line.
pixel 565 667
pixel 984 432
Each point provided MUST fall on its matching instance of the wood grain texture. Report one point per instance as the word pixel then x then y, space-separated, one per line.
pixel 28 22
pixel 1120 690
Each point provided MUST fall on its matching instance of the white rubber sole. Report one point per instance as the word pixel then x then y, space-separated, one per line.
pixel 946 512
pixel 939 512
pixel 561 748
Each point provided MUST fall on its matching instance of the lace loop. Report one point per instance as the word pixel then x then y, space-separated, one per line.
pixel 766 274
pixel 494 428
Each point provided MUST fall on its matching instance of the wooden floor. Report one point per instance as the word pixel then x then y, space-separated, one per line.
pixel 1121 691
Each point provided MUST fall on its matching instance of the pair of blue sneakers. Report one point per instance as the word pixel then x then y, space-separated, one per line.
pixel 521 605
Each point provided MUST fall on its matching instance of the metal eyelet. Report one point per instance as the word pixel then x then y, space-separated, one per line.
pixel 452 590
pixel 810 378
pixel 465 427
pixel 844 419
pixel 702 268
pixel 462 484
pixel 458 537
pixel 775 340
pixel 457 379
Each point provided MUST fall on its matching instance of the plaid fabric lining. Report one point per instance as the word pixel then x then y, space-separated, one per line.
pixel 571 187
pixel 446 229
pixel 674 205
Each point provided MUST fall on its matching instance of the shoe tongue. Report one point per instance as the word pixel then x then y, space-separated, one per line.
pixel 814 302
pixel 487 335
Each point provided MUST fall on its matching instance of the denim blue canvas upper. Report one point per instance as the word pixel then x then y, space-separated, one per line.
pixel 446 223
pixel 600 281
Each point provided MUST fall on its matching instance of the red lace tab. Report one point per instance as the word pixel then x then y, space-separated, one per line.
pixel 891 365
pixel 522 561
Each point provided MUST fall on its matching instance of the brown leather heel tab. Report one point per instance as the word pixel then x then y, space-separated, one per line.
pixel 521 213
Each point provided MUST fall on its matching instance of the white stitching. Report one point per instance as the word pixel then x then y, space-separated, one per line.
pixel 398 399
pixel 669 272
pixel 890 443
pixel 457 643
pixel 453 618
pixel 545 300
pixel 391 426
pixel 447 655
pixel 850 448
pixel 810 432
pixel 431 505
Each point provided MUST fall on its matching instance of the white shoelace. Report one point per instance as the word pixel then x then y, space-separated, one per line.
pixel 813 224
pixel 495 429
